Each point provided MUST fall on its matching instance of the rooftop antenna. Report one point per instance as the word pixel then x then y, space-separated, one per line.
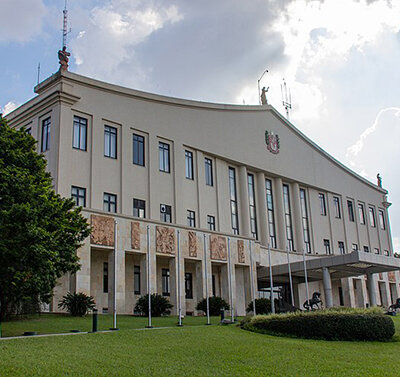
pixel 286 98
pixel 38 73
pixel 65 26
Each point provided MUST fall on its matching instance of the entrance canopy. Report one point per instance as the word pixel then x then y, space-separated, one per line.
pixel 340 266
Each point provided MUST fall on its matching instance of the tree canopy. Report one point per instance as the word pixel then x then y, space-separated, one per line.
pixel 39 230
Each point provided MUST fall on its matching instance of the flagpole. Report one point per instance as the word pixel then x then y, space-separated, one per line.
pixel 252 279
pixel 271 281
pixel 206 277
pixel 148 275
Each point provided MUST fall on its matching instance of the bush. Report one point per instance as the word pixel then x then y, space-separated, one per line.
pixel 332 324
pixel 263 306
pixel 215 304
pixel 77 304
pixel 159 305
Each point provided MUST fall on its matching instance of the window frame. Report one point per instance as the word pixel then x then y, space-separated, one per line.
pixel 110 133
pixel 341 248
pixel 305 220
pixel 191 218
pixel 78 195
pixel 372 217
pixel 189 172
pixel 46 133
pixel 327 247
pixel 139 208
pixel 188 285
pixel 336 206
pixel 382 222
pixel 208 173
pixel 233 201
pixel 136 280
pixel 164 158
pixel 361 213
pixel 350 210
pixel 138 150
pixel 109 202
pixel 105 277
pixel 252 205
pixel 79 124
pixel 322 203
pixel 211 222
pixel 270 212
pixel 164 215
pixel 165 282
pixel 287 211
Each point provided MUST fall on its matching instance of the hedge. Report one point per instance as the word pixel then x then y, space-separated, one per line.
pixel 326 324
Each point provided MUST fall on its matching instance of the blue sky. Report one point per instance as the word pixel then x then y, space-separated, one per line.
pixel 339 57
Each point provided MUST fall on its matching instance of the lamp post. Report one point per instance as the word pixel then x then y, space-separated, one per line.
pixel 258 85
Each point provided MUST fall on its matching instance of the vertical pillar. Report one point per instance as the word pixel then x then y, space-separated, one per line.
pixel 279 214
pixel 297 218
pixel 326 278
pixel 83 275
pixel 263 230
pixel 371 289
pixel 244 203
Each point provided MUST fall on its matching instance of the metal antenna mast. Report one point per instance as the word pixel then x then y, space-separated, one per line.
pixel 286 98
pixel 65 26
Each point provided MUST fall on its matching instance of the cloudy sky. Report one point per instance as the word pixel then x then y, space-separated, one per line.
pixel 340 59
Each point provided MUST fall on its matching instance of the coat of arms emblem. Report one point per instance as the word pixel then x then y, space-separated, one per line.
pixel 272 142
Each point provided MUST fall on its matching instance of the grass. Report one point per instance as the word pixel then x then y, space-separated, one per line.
pixel 195 351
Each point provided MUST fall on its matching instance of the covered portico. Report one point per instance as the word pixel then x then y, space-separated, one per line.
pixel 331 267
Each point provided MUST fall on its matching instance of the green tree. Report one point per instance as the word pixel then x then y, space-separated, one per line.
pixel 39 230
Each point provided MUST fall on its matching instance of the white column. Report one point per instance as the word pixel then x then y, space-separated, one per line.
pixel 297 218
pixel 83 275
pixel 371 283
pixel 326 278
pixel 279 214
pixel 262 215
pixel 244 226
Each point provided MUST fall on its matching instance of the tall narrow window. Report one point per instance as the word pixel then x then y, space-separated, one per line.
pixel 163 151
pixel 213 286
pixel 165 282
pixel 252 206
pixel 304 216
pixel 80 133
pixel 322 204
pixel 79 195
pixel 110 202
pixel 288 217
pixel 270 212
pixel 191 218
pixel 188 285
pixel 189 164
pixel 350 209
pixel 376 250
pixel 327 247
pixel 110 142
pixel 336 206
pixel 165 213
pixel 105 277
pixel 138 150
pixel 354 247
pixel 211 222
pixel 46 124
pixel 361 213
pixel 341 247
pixel 136 280
pixel 233 200
pixel 366 249
pixel 208 171
pixel 139 208
pixel 382 220
pixel 372 216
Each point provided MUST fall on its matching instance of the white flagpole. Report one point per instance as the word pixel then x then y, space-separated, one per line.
pixel 115 276
pixel 148 274
pixel 305 274
pixel 206 277
pixel 271 281
pixel 252 279
pixel 230 279
pixel 290 276
pixel 179 280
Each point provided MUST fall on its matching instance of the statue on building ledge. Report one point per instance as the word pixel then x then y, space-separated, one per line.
pixel 264 96
pixel 63 58
pixel 379 180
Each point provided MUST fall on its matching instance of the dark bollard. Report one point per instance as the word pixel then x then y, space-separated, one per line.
pixel 94 320
pixel 222 315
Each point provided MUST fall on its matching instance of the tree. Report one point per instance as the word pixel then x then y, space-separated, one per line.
pixel 39 230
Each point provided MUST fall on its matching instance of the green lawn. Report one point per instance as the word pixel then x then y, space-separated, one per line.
pixel 195 351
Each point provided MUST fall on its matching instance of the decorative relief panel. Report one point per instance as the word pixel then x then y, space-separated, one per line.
pixel 392 276
pixel 192 244
pixel 218 247
pixel 165 240
pixel 241 254
pixel 102 230
pixel 135 236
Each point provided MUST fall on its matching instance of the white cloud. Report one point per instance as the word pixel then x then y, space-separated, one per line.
pixel 21 20
pixel 8 107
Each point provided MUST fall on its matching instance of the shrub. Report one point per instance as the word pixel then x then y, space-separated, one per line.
pixel 159 305
pixel 215 304
pixel 77 304
pixel 332 324
pixel 263 306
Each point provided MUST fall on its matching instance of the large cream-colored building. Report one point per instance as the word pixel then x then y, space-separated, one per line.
pixel 195 192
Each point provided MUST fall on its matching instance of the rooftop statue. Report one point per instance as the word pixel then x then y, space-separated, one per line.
pixel 63 58
pixel 379 178
pixel 264 96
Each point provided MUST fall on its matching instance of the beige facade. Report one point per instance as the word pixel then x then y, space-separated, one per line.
pixel 316 204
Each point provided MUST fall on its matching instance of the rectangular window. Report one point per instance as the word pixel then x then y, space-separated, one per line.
pixel 382 220
pixel 189 164
pixel 336 206
pixel 233 201
pixel 322 204
pixel 139 208
pixel 163 151
pixel 371 212
pixel 252 206
pixel 165 213
pixel 288 217
pixel 105 277
pixel 208 171
pixel 361 213
pixel 304 217
pixel 386 252
pixel 211 222
pixel 327 247
pixel 29 130
pixel 110 203
pixel 213 286
pixel 165 282
pixel 46 125
pixel 354 247
pixel 376 250
pixel 138 150
pixel 80 133
pixel 110 142
pixel 350 209
pixel 188 285
pixel 79 195
pixel 270 213
pixel 136 280
pixel 341 247
pixel 341 298
pixel 366 249
pixel 191 218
